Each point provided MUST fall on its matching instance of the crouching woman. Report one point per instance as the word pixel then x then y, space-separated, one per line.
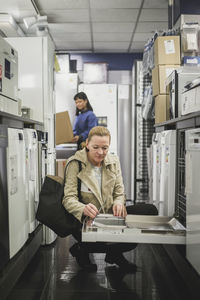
pixel 101 190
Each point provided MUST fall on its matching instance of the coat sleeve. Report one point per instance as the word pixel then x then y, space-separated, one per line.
pixel 75 126
pixel 91 122
pixel 118 193
pixel 70 199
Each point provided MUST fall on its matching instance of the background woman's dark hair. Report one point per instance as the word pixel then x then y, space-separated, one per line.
pixel 82 96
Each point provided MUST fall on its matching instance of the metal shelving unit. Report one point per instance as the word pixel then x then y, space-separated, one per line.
pixel 143 138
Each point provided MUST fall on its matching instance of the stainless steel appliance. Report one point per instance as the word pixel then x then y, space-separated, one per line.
pixel 64 151
pixel 124 118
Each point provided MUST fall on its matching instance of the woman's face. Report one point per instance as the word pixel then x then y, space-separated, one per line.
pixel 98 148
pixel 81 104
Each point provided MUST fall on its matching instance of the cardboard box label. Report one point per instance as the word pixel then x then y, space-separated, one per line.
pixel 169 46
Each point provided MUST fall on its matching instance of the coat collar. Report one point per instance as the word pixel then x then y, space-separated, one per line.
pixel 82 156
pixel 87 177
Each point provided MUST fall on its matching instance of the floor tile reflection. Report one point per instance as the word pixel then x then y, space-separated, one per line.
pixel 54 275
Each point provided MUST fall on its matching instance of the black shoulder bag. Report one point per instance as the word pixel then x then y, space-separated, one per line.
pixel 51 211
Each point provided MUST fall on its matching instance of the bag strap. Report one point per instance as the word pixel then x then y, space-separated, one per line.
pixel 78 180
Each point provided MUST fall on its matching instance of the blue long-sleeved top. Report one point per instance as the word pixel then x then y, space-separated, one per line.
pixel 83 123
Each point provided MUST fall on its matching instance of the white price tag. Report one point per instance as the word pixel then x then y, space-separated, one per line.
pixel 169 47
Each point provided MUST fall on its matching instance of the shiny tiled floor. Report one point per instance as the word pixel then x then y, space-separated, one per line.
pixel 54 275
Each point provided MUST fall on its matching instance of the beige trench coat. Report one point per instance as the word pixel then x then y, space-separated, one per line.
pixel 112 190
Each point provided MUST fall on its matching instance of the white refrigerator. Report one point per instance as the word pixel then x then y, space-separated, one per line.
pixel 36 90
pixel 103 98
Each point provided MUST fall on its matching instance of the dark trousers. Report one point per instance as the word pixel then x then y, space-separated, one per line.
pixel 116 248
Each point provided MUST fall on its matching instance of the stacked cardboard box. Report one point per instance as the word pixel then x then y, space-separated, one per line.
pixel 166 59
pixel 64 132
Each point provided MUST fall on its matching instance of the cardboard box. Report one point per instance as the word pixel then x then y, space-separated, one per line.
pixel 60 167
pixel 64 132
pixel 159 76
pixel 161 108
pixel 167 50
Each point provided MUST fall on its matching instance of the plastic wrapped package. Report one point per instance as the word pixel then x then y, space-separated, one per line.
pixel 148 55
pixel 145 59
pixel 148 104
pixel 189 38
pixel 151 56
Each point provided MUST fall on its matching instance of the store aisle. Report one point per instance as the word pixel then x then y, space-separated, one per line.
pixel 54 275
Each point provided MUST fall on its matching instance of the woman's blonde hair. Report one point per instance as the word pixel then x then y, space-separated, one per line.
pixel 99 131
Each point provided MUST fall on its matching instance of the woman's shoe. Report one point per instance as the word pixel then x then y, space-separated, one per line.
pixel 82 258
pixel 122 262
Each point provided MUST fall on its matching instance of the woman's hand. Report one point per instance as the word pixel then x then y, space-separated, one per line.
pixel 119 210
pixel 90 210
pixel 75 138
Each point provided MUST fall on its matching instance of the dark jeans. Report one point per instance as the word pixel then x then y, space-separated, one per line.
pixel 116 248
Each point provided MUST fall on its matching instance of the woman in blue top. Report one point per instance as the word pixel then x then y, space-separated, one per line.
pixel 85 118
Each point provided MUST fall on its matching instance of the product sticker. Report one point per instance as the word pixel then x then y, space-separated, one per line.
pixel 13 174
pixel 167 157
pixel 169 47
pixel 192 61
